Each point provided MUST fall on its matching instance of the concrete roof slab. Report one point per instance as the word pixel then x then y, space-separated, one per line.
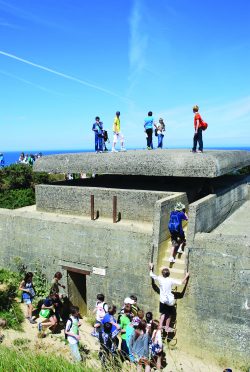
pixel 178 163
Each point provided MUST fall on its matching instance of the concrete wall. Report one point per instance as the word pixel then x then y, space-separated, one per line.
pixel 52 240
pixel 132 204
pixel 207 213
pixel 213 316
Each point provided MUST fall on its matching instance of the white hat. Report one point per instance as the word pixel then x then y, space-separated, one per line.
pixel 179 206
pixel 128 300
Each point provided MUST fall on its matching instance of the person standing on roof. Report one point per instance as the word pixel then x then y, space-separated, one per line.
pixel 148 128
pixel 117 132
pixel 98 130
pixel 197 130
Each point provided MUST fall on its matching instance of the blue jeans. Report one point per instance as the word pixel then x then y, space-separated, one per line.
pixel 75 352
pixel 98 142
pixel 160 140
pixel 198 138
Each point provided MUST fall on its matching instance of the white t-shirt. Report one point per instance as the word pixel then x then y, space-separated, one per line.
pixel 72 328
pixel 165 287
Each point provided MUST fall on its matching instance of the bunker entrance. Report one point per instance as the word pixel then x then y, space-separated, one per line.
pixel 77 290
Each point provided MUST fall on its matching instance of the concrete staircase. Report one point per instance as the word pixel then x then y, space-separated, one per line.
pixel 177 269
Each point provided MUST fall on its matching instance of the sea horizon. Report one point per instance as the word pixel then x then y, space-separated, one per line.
pixel 11 157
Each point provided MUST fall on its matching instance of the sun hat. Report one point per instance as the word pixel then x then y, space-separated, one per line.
pixel 179 206
pixel 128 300
pixel 196 108
pixel 135 321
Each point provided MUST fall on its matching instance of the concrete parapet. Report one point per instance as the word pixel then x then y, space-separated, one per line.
pixel 207 213
pixel 179 163
pixel 131 204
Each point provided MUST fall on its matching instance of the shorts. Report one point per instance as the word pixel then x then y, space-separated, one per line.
pixel 177 239
pixel 118 136
pixel 166 310
pixel 27 301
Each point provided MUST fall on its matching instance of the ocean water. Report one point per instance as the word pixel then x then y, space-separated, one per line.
pixel 11 157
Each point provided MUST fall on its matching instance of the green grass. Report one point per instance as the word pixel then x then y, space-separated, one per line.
pixel 22 361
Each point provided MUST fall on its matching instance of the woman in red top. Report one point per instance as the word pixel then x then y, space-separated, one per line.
pixel 197 130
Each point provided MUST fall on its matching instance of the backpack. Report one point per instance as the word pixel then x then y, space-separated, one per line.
pixel 156 134
pixel 204 125
pixel 71 322
pixel 174 223
pixel 100 312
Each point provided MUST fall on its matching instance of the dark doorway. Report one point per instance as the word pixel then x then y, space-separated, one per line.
pixel 77 291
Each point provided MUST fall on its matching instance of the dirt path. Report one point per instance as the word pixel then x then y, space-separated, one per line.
pixel 177 360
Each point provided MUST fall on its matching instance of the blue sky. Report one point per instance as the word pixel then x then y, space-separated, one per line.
pixel 62 62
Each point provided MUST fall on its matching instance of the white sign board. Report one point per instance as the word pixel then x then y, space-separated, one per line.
pixel 99 271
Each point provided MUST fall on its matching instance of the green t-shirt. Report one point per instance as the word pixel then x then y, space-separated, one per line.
pixel 124 322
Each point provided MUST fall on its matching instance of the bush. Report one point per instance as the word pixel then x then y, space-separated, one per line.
pixel 10 310
pixel 13 199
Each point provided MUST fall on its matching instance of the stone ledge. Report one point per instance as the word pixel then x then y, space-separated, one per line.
pixel 178 163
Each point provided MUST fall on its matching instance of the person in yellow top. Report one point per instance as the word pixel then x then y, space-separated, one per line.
pixel 117 132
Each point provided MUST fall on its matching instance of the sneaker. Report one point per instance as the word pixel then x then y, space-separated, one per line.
pixel 171 259
pixel 32 321
pixel 149 148
pixel 200 151
pixel 180 251
pixel 123 149
pixel 194 151
pixel 94 334
pixel 114 150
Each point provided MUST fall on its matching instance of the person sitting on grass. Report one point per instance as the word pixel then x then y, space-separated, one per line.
pixel 72 333
pixel 28 293
pixel 48 312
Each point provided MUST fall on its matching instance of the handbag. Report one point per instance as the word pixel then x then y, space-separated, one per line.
pixel 156 134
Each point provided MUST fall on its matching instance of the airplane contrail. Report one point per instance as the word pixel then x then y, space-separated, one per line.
pixel 83 82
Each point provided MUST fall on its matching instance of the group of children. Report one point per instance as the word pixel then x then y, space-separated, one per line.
pixel 140 340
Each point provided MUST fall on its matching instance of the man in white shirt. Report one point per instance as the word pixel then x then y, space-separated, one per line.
pixel 167 299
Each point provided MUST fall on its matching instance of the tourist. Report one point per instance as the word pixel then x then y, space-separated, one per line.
pixel 176 230
pixel 148 128
pixel 21 158
pixel 100 310
pixel 125 320
pixel 117 133
pixel 129 333
pixel 72 333
pixel 107 345
pixel 197 130
pixel 48 312
pixel 97 128
pixel 167 300
pixel 28 294
pixel 155 344
pixel 160 129
pixel 140 314
pixel 134 306
pixel 105 139
pixel 109 317
pixel 55 284
pixel 3 324
pixel 2 162
pixel 139 347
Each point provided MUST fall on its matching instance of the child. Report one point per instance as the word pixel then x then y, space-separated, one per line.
pixel 47 312
pixel 134 306
pixel 28 293
pixel 55 283
pixel 125 320
pixel 3 324
pixel 72 333
pixel 101 308
pixel 155 343
pixel 107 345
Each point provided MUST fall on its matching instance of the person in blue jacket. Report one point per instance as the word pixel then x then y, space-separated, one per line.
pixel 98 130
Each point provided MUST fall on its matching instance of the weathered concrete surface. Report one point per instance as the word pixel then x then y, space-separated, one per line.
pixel 131 204
pixel 237 224
pixel 180 163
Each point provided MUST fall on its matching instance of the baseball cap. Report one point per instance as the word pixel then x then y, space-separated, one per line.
pixel 128 300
